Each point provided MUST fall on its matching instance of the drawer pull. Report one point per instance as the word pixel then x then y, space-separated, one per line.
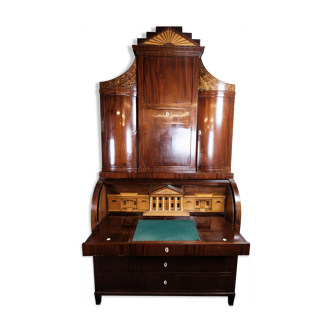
pixel 166 249
pixel 165 282
pixel 165 264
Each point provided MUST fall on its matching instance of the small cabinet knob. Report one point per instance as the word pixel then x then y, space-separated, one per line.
pixel 167 114
pixel 165 282
pixel 199 132
pixel 135 132
pixel 166 249
pixel 165 264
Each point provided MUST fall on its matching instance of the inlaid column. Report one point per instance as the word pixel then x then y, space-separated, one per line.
pixel 150 203
pixel 169 203
pixel 157 203
pixel 163 203
pixel 176 203
pixel 181 201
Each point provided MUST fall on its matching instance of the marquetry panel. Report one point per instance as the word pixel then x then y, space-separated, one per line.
pixel 169 37
pixel 126 80
pixel 209 82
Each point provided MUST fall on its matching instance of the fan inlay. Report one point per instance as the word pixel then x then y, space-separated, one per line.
pixel 169 37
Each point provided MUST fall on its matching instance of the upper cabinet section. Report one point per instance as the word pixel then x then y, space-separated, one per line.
pixel 167 113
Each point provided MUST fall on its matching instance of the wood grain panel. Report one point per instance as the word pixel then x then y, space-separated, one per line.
pixel 120 132
pixel 167 176
pixel 168 79
pixel 229 206
pixel 95 203
pixel 167 137
pixel 213 140
pixel 165 282
pixel 102 208
pixel 173 264
pixel 237 205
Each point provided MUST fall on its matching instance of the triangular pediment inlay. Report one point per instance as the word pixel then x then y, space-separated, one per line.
pixel 167 191
pixel 169 37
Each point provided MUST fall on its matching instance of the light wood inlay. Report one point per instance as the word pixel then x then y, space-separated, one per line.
pixel 169 37
pixel 210 81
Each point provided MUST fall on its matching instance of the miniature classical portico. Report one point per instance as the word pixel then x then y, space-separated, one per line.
pixel 166 201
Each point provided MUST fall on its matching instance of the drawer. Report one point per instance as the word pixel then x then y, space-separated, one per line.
pixel 164 282
pixel 106 265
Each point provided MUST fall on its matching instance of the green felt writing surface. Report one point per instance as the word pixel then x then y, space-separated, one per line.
pixel 166 230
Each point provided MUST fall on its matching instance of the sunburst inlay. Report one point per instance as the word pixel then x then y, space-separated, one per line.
pixel 169 37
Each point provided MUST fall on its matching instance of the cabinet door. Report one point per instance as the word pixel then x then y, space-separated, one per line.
pixel 215 130
pixel 120 133
pixel 167 137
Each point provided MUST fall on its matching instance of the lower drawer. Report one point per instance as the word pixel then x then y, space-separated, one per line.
pixel 106 265
pixel 140 282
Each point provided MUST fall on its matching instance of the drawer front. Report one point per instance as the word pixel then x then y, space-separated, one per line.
pixel 164 282
pixel 166 264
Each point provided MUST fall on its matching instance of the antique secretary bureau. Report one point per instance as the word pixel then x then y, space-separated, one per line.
pixel 166 212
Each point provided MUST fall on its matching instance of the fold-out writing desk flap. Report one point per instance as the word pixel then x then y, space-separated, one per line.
pixel 115 237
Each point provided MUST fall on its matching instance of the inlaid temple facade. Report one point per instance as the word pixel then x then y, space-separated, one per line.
pixel 168 201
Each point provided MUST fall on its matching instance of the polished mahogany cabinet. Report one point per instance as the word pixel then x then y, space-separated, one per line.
pixel 166 133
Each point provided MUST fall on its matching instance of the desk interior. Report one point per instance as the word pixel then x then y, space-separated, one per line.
pixel 121 229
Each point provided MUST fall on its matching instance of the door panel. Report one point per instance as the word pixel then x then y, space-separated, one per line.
pixel 167 137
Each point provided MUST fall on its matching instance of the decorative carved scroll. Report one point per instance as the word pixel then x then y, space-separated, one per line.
pixel 209 82
pixel 126 80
